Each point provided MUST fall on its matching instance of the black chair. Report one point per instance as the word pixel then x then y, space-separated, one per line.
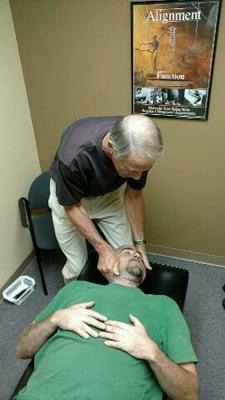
pixel 163 280
pixel 36 215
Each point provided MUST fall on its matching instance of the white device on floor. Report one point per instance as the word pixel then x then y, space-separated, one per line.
pixel 19 290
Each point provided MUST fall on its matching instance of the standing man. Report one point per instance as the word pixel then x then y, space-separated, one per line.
pixel 95 159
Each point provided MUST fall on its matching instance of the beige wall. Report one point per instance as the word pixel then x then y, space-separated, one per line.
pixel 76 62
pixel 18 153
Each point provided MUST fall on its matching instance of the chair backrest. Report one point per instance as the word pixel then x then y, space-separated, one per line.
pixel 39 191
pixel 40 213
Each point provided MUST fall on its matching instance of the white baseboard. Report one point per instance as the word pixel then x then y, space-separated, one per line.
pixel 186 255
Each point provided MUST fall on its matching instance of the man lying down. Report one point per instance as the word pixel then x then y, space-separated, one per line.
pixel 112 342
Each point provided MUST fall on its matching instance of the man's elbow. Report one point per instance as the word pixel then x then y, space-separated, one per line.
pixel 70 208
pixel 190 392
pixel 133 194
pixel 194 392
pixel 22 352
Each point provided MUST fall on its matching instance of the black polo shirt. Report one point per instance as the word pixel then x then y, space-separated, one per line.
pixel 80 167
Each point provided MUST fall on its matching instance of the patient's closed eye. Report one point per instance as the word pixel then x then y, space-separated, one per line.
pixel 127 251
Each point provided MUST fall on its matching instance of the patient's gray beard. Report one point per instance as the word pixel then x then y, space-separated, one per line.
pixel 135 273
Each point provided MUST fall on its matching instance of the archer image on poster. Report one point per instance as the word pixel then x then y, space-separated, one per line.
pixel 172 57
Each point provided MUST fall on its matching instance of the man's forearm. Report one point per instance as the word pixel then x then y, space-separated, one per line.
pixel 134 204
pixel 78 318
pixel 177 382
pixel 84 224
pixel 34 336
pixel 107 262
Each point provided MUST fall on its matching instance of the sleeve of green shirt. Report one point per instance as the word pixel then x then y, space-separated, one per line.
pixel 55 304
pixel 177 343
pixel 66 297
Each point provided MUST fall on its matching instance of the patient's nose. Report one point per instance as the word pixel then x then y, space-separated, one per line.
pixel 137 255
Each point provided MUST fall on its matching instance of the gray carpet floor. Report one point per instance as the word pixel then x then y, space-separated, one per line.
pixel 203 312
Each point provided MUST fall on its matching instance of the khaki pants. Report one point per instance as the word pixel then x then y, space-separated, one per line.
pixel 109 213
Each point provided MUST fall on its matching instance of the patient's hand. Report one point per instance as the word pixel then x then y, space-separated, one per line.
pixel 80 319
pixel 130 338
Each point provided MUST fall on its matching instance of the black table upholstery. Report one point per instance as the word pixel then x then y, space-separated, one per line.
pixel 163 279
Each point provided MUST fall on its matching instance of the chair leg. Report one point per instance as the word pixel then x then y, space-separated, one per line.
pixel 39 262
pixel 26 221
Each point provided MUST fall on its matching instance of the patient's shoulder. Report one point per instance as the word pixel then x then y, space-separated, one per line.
pixel 160 301
pixel 80 286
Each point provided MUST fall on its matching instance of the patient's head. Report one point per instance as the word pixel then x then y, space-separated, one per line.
pixel 131 267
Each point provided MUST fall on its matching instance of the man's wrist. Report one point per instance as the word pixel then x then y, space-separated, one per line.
pixel 102 247
pixel 54 320
pixel 140 242
pixel 152 354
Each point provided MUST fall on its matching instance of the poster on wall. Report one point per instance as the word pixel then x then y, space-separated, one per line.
pixel 173 46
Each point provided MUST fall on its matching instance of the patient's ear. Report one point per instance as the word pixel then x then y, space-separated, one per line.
pixel 109 147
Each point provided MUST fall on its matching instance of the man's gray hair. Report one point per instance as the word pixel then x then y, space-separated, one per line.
pixel 136 134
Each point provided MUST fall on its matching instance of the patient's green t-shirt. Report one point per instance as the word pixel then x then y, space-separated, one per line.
pixel 69 367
